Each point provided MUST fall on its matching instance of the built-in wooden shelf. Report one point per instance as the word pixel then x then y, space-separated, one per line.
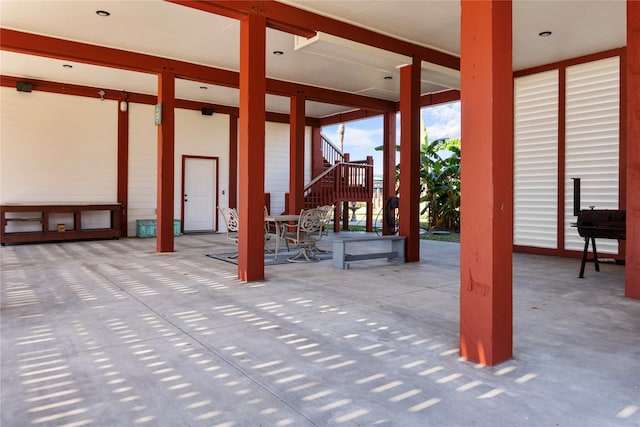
pixel 37 218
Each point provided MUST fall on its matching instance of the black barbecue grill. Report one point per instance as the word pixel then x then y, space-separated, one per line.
pixel 597 224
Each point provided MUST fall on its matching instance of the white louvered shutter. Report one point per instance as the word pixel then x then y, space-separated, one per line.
pixel 536 160
pixel 592 142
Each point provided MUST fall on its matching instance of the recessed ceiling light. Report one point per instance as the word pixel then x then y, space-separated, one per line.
pixel 67 66
pixel 278 52
pixel 102 13
pixel 388 77
pixel 204 87
pixel 544 33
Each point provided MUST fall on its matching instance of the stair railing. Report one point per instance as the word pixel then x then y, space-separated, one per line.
pixel 352 181
pixel 330 152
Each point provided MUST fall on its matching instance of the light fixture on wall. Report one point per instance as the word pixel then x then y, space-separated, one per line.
pixel 102 94
pixel 124 106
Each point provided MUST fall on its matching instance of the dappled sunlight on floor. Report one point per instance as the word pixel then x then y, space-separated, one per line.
pixel 111 333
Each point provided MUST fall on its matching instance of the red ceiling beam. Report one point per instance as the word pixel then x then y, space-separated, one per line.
pixel 300 22
pixel 328 96
pixel 33 44
pixel 425 101
pixel 138 98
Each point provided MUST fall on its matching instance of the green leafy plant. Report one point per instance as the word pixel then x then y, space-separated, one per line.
pixel 439 181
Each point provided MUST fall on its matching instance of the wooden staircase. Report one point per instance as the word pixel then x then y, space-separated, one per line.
pixel 342 180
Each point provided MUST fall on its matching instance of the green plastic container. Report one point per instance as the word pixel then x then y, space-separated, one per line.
pixel 147 227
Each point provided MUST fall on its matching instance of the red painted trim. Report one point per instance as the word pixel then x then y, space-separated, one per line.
pixel 409 219
pixel 632 115
pixel 282 88
pixel 217 189
pixel 437 98
pixel 252 147
pixel 562 146
pixel 297 21
pixel 348 117
pixel 123 165
pixel 546 251
pixel 233 161
pixel 166 168
pixel 296 154
pixel 622 148
pixel 569 62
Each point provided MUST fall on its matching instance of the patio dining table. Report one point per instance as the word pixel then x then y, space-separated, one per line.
pixel 280 222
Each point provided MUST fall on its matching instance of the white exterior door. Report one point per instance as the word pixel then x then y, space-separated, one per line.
pixel 200 175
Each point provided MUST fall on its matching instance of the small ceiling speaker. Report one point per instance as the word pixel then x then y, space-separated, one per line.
pixel 207 111
pixel 24 86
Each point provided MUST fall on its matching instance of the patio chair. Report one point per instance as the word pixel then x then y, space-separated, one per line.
pixel 230 217
pixel 325 212
pixel 270 230
pixel 308 231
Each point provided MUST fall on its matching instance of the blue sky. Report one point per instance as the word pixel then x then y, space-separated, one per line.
pixel 362 136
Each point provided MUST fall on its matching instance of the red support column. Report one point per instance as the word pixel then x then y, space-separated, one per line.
pixel 369 205
pixel 233 161
pixel 487 182
pixel 123 162
pixel 316 152
pixel 252 146
pixel 409 215
pixel 296 154
pixel 166 150
pixel 388 171
pixel 632 250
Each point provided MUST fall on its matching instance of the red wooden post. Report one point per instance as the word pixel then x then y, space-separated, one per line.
pixel 317 159
pixel 166 150
pixel 123 163
pixel 252 146
pixel 409 218
pixel 632 264
pixel 296 154
pixel 388 170
pixel 369 186
pixel 487 182
pixel 233 161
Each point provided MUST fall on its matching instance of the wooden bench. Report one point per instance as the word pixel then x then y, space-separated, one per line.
pixel 341 258
pixel 37 222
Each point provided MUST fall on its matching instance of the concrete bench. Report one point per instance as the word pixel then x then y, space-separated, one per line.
pixel 341 258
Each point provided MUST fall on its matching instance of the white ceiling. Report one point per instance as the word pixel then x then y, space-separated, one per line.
pixel 168 30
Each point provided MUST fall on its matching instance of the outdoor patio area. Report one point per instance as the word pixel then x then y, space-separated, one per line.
pixel 112 333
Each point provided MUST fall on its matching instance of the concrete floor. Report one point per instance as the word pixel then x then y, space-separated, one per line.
pixel 111 333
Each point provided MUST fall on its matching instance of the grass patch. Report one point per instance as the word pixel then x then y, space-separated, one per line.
pixel 451 237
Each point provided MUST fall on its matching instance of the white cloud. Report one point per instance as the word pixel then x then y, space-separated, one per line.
pixel 362 136
pixel 442 121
